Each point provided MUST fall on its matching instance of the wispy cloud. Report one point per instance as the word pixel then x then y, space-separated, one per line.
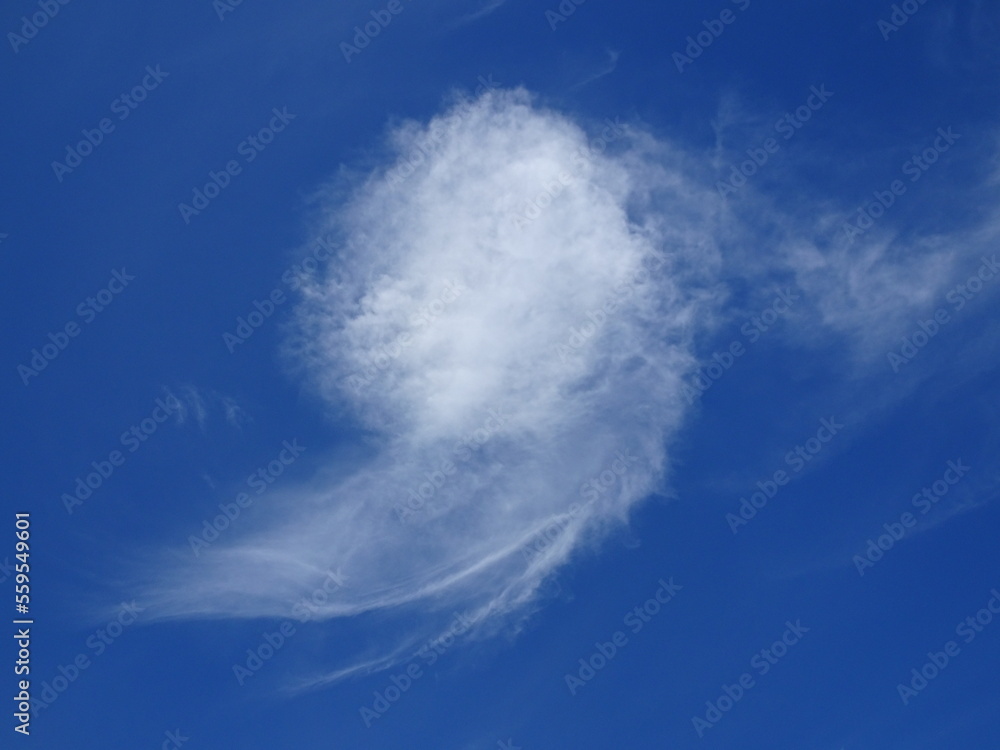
pixel 195 405
pixel 199 402
pixel 610 63
pixel 487 8
pixel 236 416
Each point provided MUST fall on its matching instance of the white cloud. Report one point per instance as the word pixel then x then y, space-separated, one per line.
pixel 563 405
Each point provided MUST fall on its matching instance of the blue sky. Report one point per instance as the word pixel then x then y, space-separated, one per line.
pixel 471 375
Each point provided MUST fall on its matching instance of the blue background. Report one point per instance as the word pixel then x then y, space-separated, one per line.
pixel 835 689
